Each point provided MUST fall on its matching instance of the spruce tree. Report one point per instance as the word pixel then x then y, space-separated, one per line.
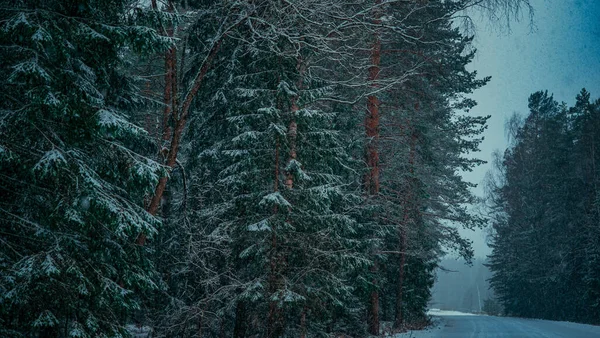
pixel 72 188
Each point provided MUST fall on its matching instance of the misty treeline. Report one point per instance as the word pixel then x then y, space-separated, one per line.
pixel 463 287
pixel 245 168
pixel 544 195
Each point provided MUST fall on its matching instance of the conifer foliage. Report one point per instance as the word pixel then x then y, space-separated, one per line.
pixel 72 185
pixel 544 199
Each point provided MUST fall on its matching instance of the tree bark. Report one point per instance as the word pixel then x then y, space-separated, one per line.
pixel 372 158
pixel 179 115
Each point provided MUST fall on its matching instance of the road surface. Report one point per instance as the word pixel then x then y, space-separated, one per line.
pixel 456 325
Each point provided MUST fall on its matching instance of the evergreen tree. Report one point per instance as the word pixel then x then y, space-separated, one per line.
pixel 543 251
pixel 71 185
pixel 426 132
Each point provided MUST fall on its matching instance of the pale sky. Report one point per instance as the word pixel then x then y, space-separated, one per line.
pixel 561 55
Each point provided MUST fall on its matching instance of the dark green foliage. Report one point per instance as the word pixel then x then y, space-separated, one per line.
pixel 492 307
pixel 71 187
pixel 545 217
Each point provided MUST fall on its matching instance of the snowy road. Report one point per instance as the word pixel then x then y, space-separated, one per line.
pixel 472 326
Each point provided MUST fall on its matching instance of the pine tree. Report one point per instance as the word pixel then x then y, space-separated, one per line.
pixel 424 138
pixel 72 187
pixel 259 91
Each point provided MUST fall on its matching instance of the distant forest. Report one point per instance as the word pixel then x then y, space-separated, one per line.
pixel 246 168
pixel 544 198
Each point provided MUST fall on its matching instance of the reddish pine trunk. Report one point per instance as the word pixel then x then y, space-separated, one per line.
pixel 372 158
pixel 372 155
pixel 179 115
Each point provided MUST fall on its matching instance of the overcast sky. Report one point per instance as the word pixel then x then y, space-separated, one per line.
pixel 561 55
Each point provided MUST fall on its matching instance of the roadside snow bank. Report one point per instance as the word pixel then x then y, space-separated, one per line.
pixel 438 312
pixel 437 326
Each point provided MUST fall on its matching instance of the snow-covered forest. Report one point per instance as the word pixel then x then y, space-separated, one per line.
pixel 273 168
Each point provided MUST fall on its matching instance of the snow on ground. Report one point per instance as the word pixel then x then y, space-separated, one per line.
pixel 139 331
pixel 437 326
pixel 454 324
pixel 432 331
pixel 438 312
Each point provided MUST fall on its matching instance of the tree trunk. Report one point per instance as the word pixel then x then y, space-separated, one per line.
pixel 372 158
pixel 179 115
